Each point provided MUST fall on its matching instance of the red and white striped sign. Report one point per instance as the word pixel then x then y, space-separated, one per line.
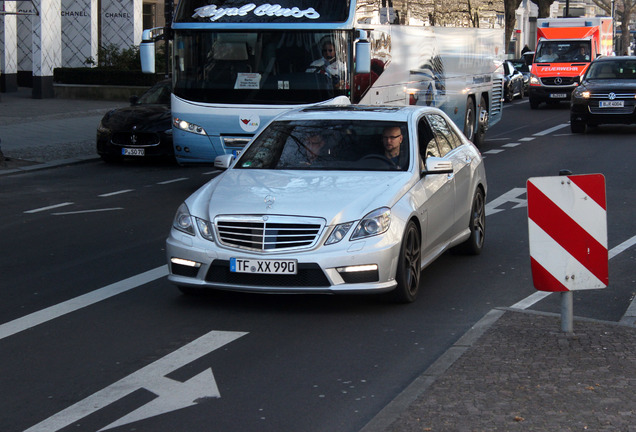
pixel 567 226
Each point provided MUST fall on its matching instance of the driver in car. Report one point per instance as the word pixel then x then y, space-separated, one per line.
pixel 328 64
pixel 392 141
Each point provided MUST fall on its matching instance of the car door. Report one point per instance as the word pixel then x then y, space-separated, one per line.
pixel 452 147
pixel 434 194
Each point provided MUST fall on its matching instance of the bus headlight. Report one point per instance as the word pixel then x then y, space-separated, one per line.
pixel 187 126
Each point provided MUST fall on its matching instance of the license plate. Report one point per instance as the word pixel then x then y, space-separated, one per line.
pixel 611 104
pixel 263 266
pixel 558 95
pixel 133 152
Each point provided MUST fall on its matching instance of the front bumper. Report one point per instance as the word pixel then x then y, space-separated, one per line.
pixel 320 269
pixel 545 94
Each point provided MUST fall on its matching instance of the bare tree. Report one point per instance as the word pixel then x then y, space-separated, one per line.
pixel 623 14
pixel 544 7
pixel 510 8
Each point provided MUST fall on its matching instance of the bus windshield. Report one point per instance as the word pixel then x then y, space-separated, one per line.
pixel 261 67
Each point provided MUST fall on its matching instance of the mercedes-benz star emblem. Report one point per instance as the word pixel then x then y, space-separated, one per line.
pixel 558 80
pixel 269 201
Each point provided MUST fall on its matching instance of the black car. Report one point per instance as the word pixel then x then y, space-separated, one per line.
pixel 513 82
pixel 142 130
pixel 606 94
pixel 522 67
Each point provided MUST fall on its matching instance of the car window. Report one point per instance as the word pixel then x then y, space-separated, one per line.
pixel 328 145
pixel 157 94
pixel 426 140
pixel 444 134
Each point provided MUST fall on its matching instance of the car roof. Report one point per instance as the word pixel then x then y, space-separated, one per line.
pixel 356 112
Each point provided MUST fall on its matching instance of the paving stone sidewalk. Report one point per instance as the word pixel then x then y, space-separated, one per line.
pixel 525 374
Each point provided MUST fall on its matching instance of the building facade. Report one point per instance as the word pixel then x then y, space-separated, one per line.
pixel 40 35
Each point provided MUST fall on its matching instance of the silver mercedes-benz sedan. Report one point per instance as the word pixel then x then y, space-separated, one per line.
pixel 334 199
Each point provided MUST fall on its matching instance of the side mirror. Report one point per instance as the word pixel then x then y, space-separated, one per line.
pixel 223 162
pixel 363 54
pixel 147 55
pixel 436 165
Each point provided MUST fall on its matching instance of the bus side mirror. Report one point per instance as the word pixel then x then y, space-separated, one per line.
pixel 147 48
pixel 147 55
pixel 363 56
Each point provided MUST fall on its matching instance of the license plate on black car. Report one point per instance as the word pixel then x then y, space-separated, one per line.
pixel 263 266
pixel 133 152
pixel 611 104
pixel 558 95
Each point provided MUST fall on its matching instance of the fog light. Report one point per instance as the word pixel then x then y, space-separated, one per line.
pixel 185 262
pixel 359 274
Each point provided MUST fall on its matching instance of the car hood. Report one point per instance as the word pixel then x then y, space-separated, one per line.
pixel 141 117
pixel 335 196
pixel 607 85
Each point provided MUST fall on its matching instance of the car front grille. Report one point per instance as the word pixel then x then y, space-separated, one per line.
pixel 629 103
pixel 136 139
pixel 553 81
pixel 268 233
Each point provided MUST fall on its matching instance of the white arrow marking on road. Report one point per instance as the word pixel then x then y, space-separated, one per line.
pixel 171 395
pixel 510 196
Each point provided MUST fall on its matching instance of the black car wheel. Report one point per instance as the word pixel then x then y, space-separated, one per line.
pixel 577 126
pixel 477 225
pixel 409 266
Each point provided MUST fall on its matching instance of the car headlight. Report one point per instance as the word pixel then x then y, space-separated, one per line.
pixel 101 128
pixel 188 127
pixel 205 229
pixel 338 233
pixel 183 220
pixel 581 94
pixel 374 223
pixel 534 80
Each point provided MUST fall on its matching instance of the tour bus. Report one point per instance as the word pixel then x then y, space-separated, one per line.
pixel 236 65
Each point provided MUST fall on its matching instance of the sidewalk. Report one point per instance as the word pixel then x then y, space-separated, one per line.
pixel 517 371
pixel 513 371
pixel 35 132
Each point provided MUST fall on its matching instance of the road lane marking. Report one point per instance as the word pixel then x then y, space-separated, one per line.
pixel 511 145
pixel 49 207
pixel 36 318
pixel 622 247
pixel 552 129
pixel 494 151
pixel 87 211
pixel 115 193
pixel 172 181
pixel 171 394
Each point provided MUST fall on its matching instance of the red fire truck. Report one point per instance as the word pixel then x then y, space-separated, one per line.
pixel 565 48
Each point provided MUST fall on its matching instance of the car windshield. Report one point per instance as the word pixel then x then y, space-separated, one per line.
pixel 615 69
pixel 329 145
pixel 563 51
pixel 158 94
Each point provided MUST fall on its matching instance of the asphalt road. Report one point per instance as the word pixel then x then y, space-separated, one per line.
pixel 94 335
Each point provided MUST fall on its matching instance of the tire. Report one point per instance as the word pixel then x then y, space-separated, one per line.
pixel 470 120
pixel 577 126
pixel 409 266
pixel 520 92
pixel 477 225
pixel 508 94
pixel 480 134
pixel 534 104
